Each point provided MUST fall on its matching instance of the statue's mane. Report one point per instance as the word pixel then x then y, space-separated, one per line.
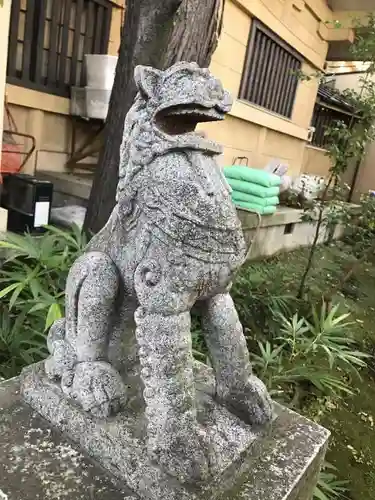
pixel 138 114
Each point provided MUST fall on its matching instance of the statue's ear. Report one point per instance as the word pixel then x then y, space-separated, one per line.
pixel 147 80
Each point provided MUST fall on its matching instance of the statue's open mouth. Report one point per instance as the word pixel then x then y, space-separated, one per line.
pixel 183 119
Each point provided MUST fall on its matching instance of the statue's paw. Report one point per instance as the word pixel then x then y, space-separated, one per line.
pixel 182 454
pixel 249 401
pixel 97 387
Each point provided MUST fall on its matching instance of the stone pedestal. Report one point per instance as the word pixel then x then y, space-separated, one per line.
pixel 38 462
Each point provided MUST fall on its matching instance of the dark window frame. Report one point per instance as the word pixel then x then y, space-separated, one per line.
pixel 271 88
pixel 324 116
pixel 58 78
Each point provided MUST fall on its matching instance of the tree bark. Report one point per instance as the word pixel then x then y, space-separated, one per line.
pixel 197 27
pixel 157 33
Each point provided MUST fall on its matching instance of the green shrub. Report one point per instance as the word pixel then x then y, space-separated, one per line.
pixel 361 227
pixel 20 343
pixel 256 293
pixel 329 487
pixel 316 355
pixel 32 282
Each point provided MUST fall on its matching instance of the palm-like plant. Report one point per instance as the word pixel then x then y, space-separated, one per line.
pixel 319 352
pixel 32 281
pixel 329 487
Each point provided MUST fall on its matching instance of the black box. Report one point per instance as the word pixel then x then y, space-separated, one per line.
pixel 28 201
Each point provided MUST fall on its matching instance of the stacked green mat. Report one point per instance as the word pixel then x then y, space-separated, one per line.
pixel 252 189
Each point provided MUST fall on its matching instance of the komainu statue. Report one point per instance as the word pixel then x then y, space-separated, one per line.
pixel 173 242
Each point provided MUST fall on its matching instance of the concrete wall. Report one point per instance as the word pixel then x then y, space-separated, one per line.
pixel 349 81
pixel 46 116
pixel 365 181
pixel 283 231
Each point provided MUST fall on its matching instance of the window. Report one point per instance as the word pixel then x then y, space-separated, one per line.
pixel 331 107
pixel 48 40
pixel 323 119
pixel 270 75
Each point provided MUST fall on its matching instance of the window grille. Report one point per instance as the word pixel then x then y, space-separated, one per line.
pixel 48 40
pixel 270 76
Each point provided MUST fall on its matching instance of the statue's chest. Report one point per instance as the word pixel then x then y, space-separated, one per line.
pixel 191 167
pixel 193 183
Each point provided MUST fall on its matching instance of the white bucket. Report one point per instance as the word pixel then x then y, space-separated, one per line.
pixel 100 70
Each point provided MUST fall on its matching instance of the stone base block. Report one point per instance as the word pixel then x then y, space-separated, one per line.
pixel 119 443
pixel 37 461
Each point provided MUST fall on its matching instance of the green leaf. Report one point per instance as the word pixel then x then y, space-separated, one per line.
pixel 35 287
pixel 15 295
pixel 319 495
pixel 39 307
pixel 8 289
pixel 63 234
pixel 54 313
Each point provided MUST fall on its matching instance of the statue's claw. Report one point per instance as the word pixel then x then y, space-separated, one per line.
pixel 250 401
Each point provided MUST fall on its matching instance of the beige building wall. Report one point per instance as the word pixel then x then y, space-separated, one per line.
pixel 252 131
pixel 315 161
pixel 349 81
pixel 249 131
pixel 46 116
pixel 365 181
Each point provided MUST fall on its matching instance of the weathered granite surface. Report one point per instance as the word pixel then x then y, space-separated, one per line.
pixel 172 242
pixel 120 443
pixel 37 463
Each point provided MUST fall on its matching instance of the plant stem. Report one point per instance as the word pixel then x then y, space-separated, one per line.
pixel 316 238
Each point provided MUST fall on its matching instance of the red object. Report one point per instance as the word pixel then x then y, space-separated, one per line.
pixel 11 159
pixel 13 156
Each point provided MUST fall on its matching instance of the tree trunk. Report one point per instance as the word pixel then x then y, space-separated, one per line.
pixel 197 27
pixel 157 33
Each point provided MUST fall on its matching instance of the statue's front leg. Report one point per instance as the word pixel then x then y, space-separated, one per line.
pixel 174 439
pixel 243 393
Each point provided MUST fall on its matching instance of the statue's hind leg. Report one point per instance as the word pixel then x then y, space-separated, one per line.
pixel 240 391
pixel 79 346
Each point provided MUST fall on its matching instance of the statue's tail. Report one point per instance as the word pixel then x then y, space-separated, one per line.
pixel 61 362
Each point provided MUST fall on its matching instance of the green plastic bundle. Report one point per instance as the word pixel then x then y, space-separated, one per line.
pixel 254 190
